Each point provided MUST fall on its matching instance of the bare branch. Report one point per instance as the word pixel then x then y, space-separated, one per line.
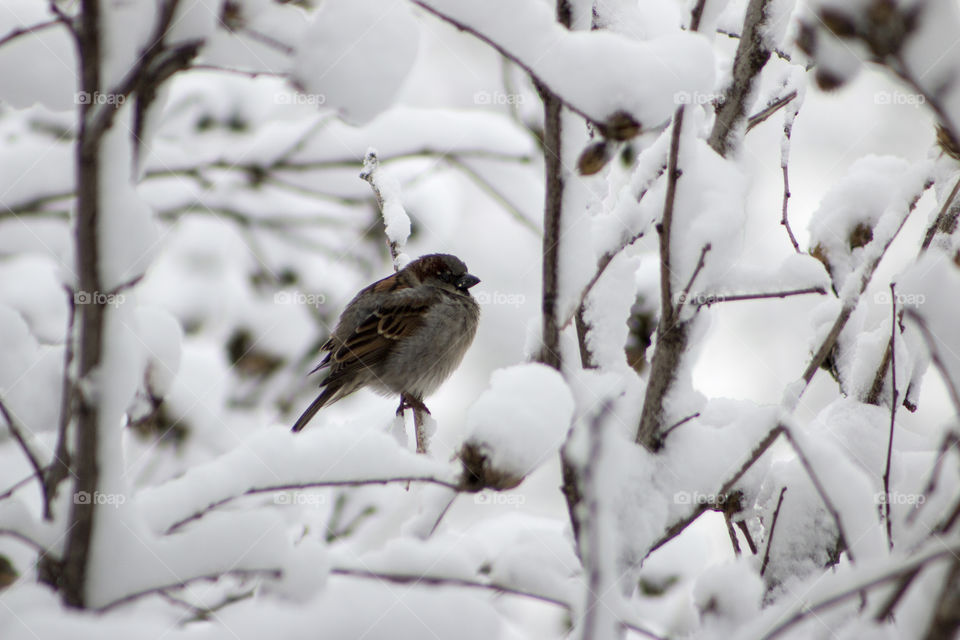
pixel 752 55
pixel 929 339
pixel 775 105
pixel 162 589
pixel 32 29
pixel 677 528
pixel 419 579
pixel 15 430
pixel 894 397
pixel 493 192
pixel 701 261
pixel 915 564
pixel 865 274
pixel 710 299
pixel 773 527
pixel 945 221
pixel 307 485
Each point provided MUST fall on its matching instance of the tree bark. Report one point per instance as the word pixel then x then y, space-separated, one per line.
pixel 91 316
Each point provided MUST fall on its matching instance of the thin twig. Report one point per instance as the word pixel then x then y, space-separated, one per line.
pixel 701 261
pixel 17 433
pixel 785 170
pixel 770 109
pixel 493 192
pixel 20 483
pixel 942 218
pixel 935 357
pixel 307 485
pixel 865 274
pixel 709 299
pixel 677 424
pixel 270 573
pixel 22 31
pixel 773 527
pixel 893 411
pixel 678 527
pixel 602 265
pixel 824 496
pixel 808 609
pixel 733 535
pixel 419 579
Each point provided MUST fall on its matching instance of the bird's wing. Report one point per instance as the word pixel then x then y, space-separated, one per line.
pixel 376 335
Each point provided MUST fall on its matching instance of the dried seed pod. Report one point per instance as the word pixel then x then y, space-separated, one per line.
pixel 594 158
pixel 620 126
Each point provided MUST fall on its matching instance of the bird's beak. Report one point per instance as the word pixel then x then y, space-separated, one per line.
pixel 467 281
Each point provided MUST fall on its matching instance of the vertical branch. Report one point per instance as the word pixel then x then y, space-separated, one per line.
pixel 671 335
pixel 893 410
pixel 553 209
pixel 60 465
pixel 752 54
pixel 77 549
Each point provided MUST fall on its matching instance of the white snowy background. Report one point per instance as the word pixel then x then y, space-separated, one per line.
pixel 235 227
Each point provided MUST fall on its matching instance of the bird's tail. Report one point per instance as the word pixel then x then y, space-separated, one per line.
pixel 329 394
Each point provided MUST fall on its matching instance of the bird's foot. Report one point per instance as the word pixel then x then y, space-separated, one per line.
pixel 410 402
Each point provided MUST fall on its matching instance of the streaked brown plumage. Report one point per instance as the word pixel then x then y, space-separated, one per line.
pixel 402 335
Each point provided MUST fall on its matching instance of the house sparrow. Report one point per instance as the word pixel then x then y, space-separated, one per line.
pixel 404 334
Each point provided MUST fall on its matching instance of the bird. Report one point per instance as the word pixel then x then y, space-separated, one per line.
pixel 404 334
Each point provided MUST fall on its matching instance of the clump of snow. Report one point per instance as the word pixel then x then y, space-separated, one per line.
pixel 521 420
pixel 728 595
pixel 356 55
pixel 594 71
